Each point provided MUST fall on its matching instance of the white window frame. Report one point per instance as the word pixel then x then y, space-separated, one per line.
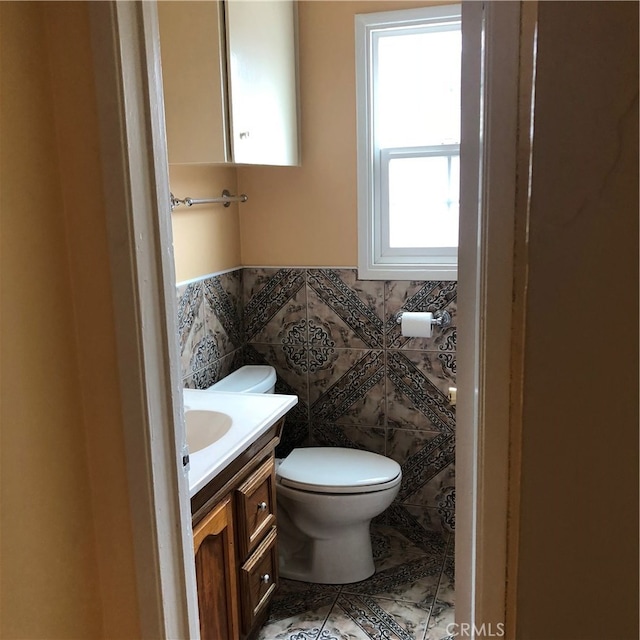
pixel 376 259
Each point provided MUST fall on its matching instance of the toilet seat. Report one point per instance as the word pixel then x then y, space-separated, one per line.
pixel 335 470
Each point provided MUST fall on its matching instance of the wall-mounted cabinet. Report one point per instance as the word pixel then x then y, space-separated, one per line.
pixel 230 81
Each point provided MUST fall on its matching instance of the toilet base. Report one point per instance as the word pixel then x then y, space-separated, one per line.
pixel 343 559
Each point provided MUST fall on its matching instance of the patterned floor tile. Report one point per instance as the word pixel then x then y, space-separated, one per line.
pixel 397 603
pixel 391 549
pixel 294 598
pixel 361 616
pixel 303 626
pixel 431 542
pixel 441 623
pixel 432 519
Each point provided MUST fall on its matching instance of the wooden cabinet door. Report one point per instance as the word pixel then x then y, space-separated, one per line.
pixel 216 574
pixel 256 507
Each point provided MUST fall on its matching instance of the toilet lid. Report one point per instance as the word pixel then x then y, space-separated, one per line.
pixel 338 470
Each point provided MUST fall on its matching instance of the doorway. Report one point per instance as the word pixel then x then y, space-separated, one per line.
pixel 130 63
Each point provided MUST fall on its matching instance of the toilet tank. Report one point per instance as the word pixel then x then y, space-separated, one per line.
pixel 248 379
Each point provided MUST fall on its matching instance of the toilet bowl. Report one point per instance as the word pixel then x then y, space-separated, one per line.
pixel 327 497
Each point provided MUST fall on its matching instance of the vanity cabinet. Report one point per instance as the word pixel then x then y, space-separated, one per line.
pixel 216 573
pixel 230 81
pixel 235 541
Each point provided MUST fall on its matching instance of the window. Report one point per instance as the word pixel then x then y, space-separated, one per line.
pixel 408 99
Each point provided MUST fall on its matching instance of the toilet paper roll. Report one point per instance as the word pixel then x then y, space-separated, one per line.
pixel 416 324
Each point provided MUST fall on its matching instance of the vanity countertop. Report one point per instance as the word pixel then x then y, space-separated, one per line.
pixel 252 414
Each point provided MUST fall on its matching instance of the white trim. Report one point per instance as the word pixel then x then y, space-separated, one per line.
pixel 128 82
pixel 487 210
pixel 206 276
pixel 297 266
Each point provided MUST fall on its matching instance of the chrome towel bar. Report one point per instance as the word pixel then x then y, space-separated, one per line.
pixel 225 199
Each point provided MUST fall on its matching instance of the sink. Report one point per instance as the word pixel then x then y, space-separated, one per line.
pixel 205 427
pixel 221 425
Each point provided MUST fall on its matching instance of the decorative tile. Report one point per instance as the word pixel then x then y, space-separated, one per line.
pixel 275 306
pixel 439 489
pixel 344 311
pixel 350 388
pixel 394 604
pixel 447 586
pixel 360 616
pixel 191 329
pixel 441 624
pixel 429 540
pixel 304 625
pixel 352 437
pixel 417 391
pixel 442 612
pixel 392 549
pixel 433 519
pixel 422 456
pixel 294 598
pixel 203 378
pixel 223 310
pixel 189 303
pixel 414 581
pixel 204 353
pixel 431 296
pixel 290 382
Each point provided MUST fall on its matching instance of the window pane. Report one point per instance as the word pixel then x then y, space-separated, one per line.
pixel 424 201
pixel 417 96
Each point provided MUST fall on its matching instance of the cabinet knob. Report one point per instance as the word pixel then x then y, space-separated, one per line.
pixel 266 578
pixel 262 506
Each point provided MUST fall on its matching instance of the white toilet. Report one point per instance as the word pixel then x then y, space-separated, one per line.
pixel 248 379
pixel 327 497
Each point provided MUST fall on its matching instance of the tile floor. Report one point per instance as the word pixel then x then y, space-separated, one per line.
pixel 410 597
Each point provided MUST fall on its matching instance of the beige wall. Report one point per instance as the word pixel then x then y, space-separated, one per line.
pixel 295 216
pixel 306 216
pixel 66 549
pixel 206 238
pixel 578 552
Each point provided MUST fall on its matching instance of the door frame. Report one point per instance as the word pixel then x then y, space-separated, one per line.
pixel 488 367
pixel 129 92
pixel 136 190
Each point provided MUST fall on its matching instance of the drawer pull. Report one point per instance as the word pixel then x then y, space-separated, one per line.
pixel 262 506
pixel 266 578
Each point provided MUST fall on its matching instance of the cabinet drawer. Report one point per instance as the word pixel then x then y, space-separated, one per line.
pixel 256 505
pixel 259 579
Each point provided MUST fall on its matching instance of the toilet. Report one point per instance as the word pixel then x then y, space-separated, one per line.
pixel 327 497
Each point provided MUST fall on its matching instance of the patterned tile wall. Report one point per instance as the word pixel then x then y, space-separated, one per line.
pixel 334 342
pixel 210 328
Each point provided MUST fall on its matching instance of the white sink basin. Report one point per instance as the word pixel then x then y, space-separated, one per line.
pixel 220 426
pixel 205 427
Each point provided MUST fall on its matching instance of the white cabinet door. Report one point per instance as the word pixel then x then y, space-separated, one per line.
pixel 261 50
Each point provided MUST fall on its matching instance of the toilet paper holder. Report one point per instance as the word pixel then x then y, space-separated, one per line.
pixel 441 318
